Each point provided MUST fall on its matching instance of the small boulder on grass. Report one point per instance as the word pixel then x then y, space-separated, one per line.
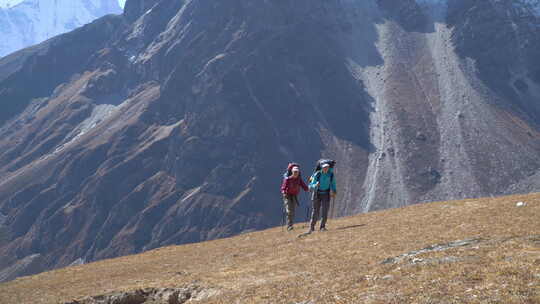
pixel 521 204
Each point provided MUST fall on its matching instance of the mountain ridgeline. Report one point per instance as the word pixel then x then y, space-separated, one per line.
pixel 172 123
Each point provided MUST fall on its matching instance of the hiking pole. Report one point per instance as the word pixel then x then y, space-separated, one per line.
pixel 308 212
pixel 333 198
pixel 307 215
pixel 333 203
pixel 282 216
pixel 283 219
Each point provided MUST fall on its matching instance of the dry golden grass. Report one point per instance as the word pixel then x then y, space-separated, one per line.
pixel 342 265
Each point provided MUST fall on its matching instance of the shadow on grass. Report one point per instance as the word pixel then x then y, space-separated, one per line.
pixel 351 227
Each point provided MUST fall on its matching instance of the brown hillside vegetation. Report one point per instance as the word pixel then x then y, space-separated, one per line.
pixel 476 251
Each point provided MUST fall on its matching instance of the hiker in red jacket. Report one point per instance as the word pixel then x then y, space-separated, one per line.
pixel 290 190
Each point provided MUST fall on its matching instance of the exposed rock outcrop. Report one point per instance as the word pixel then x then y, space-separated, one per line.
pixel 150 296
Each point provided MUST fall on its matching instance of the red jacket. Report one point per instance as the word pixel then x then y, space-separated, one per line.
pixel 291 185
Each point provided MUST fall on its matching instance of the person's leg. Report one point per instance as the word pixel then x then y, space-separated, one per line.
pixel 325 205
pixel 286 205
pixel 315 212
pixel 289 209
pixel 292 208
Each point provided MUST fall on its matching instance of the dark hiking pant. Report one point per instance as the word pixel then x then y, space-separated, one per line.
pixel 321 201
pixel 290 202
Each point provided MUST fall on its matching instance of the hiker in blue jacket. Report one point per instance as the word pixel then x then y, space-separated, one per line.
pixel 323 184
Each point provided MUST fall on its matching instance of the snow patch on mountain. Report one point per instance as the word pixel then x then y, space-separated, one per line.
pixel 99 114
pixel 33 21
pixel 9 3
pixel 532 6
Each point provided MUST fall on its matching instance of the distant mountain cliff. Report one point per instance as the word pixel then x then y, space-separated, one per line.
pixel 172 123
pixel 34 21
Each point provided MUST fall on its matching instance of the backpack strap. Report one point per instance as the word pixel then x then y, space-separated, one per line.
pixel 319 173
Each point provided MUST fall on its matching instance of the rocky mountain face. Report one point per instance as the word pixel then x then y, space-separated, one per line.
pixel 32 21
pixel 173 122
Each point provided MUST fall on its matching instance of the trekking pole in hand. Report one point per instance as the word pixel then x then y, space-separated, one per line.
pixel 308 212
pixel 332 207
pixel 283 217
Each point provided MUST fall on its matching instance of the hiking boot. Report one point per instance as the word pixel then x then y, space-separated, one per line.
pixel 290 228
pixel 323 229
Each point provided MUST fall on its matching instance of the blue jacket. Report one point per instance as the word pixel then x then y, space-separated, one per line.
pixel 324 181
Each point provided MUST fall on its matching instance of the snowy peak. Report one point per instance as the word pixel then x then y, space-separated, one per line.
pixel 9 3
pixel 32 21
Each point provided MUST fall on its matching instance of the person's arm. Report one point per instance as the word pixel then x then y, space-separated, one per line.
pixel 303 185
pixel 333 185
pixel 314 183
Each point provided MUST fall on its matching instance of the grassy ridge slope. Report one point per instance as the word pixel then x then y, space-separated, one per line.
pixel 500 263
